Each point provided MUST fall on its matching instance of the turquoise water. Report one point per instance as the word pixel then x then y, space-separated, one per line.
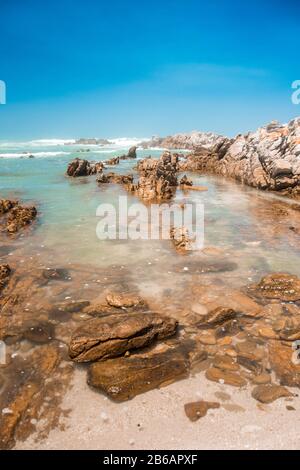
pixel 239 221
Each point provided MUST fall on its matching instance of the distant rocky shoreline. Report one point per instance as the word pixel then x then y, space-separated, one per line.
pixel 267 159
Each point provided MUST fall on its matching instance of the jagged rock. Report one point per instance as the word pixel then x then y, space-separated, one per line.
pixel 125 377
pixel 6 205
pixel 217 317
pixel 285 287
pixel 225 377
pixel 114 335
pixel 269 393
pixel 267 158
pixel 79 167
pixel 192 141
pixel 19 217
pixel 199 409
pixel 158 178
pixel 181 238
pixel 113 161
pixel 124 300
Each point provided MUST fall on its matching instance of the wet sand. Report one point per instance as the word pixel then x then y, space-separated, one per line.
pixel 156 420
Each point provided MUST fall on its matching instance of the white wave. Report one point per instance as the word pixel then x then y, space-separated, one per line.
pixel 127 141
pixel 34 154
pixel 37 143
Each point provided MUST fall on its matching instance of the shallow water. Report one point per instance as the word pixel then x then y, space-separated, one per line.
pixel 247 234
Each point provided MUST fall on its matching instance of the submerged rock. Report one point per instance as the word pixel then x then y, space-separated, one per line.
pixel 225 377
pixel 282 286
pixel 125 377
pixel 57 274
pixel 285 363
pixel 217 317
pixel 114 178
pixel 112 336
pixel 269 393
pixel 39 333
pixel 199 409
pixel 124 300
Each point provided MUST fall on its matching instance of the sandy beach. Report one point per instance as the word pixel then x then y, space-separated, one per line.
pixel 156 420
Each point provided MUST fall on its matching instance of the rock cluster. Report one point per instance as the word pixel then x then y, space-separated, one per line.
pixel 14 216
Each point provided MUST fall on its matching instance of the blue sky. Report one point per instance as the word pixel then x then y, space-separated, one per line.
pixel 138 68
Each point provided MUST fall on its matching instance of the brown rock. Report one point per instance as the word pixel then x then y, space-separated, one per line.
pixel 227 377
pixel 270 393
pixel 124 300
pixel 114 335
pixel 79 167
pixel 125 377
pixel 19 217
pixel 39 333
pixel 261 379
pixel 217 317
pixel 283 360
pixel 57 274
pixel 225 363
pixel 198 409
pixel 280 286
pixel 19 399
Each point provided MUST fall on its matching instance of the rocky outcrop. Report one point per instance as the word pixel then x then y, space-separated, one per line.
pixel 14 216
pixel 158 178
pixel 267 159
pixel 112 336
pixel 192 141
pixel 80 167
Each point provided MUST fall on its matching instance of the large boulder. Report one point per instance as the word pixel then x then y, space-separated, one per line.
pixel 80 167
pixel 125 377
pixel 111 336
